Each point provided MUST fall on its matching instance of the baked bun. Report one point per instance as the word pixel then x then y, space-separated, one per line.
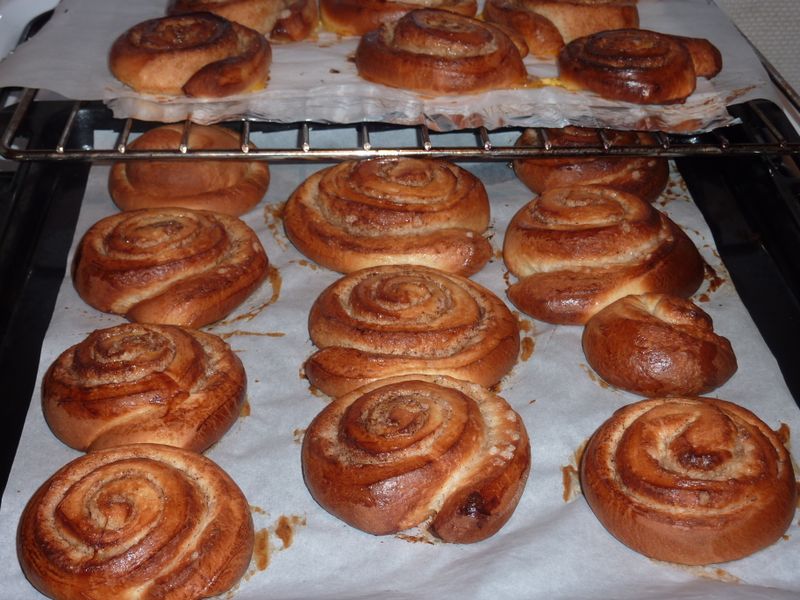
pixel 136 521
pixel 357 17
pixel 171 266
pixel 439 52
pixel 643 176
pixel 232 187
pixel 547 25
pixel 134 383
pixel 637 65
pixel 360 214
pixel 407 450
pixel 197 54
pixel 402 319
pixel 689 480
pixel 576 250
pixel 657 345
pixel 280 20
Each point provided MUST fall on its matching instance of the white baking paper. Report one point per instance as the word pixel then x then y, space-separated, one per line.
pixel 317 81
pixel 552 548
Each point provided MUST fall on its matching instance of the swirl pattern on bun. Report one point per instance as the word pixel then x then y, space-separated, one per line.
pixel 397 452
pixel 689 480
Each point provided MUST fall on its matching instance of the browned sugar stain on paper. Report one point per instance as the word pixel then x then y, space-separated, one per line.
pixel 261 554
pixel 273 217
pixel 245 410
pixel 286 527
pixel 242 333
pixel 570 475
pixel 595 378
pixel 528 346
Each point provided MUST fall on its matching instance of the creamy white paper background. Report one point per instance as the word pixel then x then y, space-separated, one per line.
pixel 317 81
pixel 550 549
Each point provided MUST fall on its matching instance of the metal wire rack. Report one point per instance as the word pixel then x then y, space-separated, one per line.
pixel 72 119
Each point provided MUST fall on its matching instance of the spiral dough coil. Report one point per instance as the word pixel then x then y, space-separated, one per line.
pixel 658 345
pixel 230 187
pixel 196 54
pixel 437 52
pixel 643 176
pixel 418 450
pixel 357 17
pixel 280 20
pixel 360 214
pixel 546 25
pixel 397 320
pixel 141 520
pixel 144 383
pixel 169 266
pixel 576 250
pixel 689 480
pixel 638 66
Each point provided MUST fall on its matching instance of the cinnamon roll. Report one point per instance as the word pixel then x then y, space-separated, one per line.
pixel 637 65
pixel 439 52
pixel 360 214
pixel 357 17
pixel 658 345
pixel 227 186
pixel 396 320
pixel 136 521
pixel 144 383
pixel 280 20
pixel 689 480
pixel 643 176
pixel 170 266
pixel 196 54
pixel 547 25
pixel 576 250
pixel 407 450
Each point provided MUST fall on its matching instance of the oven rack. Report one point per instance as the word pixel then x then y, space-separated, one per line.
pixel 73 126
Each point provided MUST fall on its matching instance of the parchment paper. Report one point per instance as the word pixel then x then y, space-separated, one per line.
pixel 317 81
pixel 552 548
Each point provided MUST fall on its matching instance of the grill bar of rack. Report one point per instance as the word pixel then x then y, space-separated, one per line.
pixel 13 144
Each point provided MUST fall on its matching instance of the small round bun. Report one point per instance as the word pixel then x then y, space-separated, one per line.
pixel 577 249
pixel 196 54
pixel 231 187
pixel 136 521
pixel 546 25
pixel 280 20
pixel 637 65
pixel 689 480
pixel 170 266
pixel 658 345
pixel 357 17
pixel 403 319
pixel 643 176
pixel 144 383
pixel 394 453
pixel 437 52
pixel 360 214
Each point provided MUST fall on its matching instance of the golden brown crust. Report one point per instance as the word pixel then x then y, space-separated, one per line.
pixel 576 250
pixel 658 345
pixel 394 453
pixel 142 520
pixel 643 176
pixel 224 186
pixel 547 25
pixel 196 54
pixel 439 52
pixel 357 17
pixel 689 480
pixel 637 65
pixel 360 214
pixel 135 383
pixel 170 266
pixel 397 320
pixel 280 20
